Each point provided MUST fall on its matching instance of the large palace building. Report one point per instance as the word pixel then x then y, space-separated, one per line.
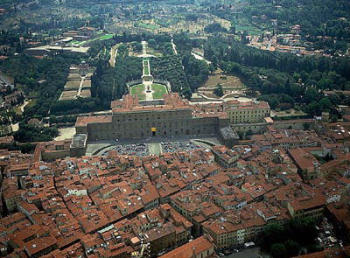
pixel 172 116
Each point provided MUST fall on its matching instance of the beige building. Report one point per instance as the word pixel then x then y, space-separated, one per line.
pixel 247 112
pixel 247 116
pixel 171 117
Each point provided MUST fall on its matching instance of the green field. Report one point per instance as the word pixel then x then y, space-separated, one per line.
pixel 147 26
pixel 146 67
pixel 138 90
pixel 245 25
pixel 79 43
pixel 106 36
pixel 159 91
pixel 99 36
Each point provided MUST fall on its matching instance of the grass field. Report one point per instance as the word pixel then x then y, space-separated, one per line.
pixel 75 42
pixel 100 36
pixel 245 25
pixel 106 36
pixel 146 67
pixel 147 26
pixel 159 91
pixel 138 90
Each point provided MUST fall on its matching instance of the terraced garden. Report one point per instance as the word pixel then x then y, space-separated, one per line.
pixel 146 67
pixel 158 90
pixel 138 90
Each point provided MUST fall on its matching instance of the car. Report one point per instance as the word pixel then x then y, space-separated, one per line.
pixel 249 244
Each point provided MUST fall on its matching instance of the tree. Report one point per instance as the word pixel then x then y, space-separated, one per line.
pixel 304 230
pixel 311 94
pixel 214 28
pixel 306 126
pixel 187 93
pixel 325 104
pixel 170 68
pixel 273 233
pixel 32 133
pixel 211 68
pixel 137 47
pixel 292 247
pixel 233 29
pixel 218 90
pixel 278 250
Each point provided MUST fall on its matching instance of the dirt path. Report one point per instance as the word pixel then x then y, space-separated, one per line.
pixel 80 86
pixel 113 53
pixel 198 57
pixel 26 102
pixel 174 46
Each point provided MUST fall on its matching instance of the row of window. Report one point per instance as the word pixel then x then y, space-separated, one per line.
pixel 150 116
pixel 249 111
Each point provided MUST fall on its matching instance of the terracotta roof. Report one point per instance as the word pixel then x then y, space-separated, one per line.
pixel 195 247
pixel 84 120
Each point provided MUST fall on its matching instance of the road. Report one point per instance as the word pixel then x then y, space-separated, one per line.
pixel 113 53
pixel 198 57
pixel 15 127
pixel 155 148
pixel 174 46
pixel 245 253
pixel 144 47
pixel 26 102
pixel 80 86
pixel 148 93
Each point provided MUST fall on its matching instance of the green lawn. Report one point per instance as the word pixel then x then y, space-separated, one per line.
pixel 100 36
pixel 106 36
pixel 159 90
pixel 75 42
pixel 138 90
pixel 146 67
pixel 147 26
